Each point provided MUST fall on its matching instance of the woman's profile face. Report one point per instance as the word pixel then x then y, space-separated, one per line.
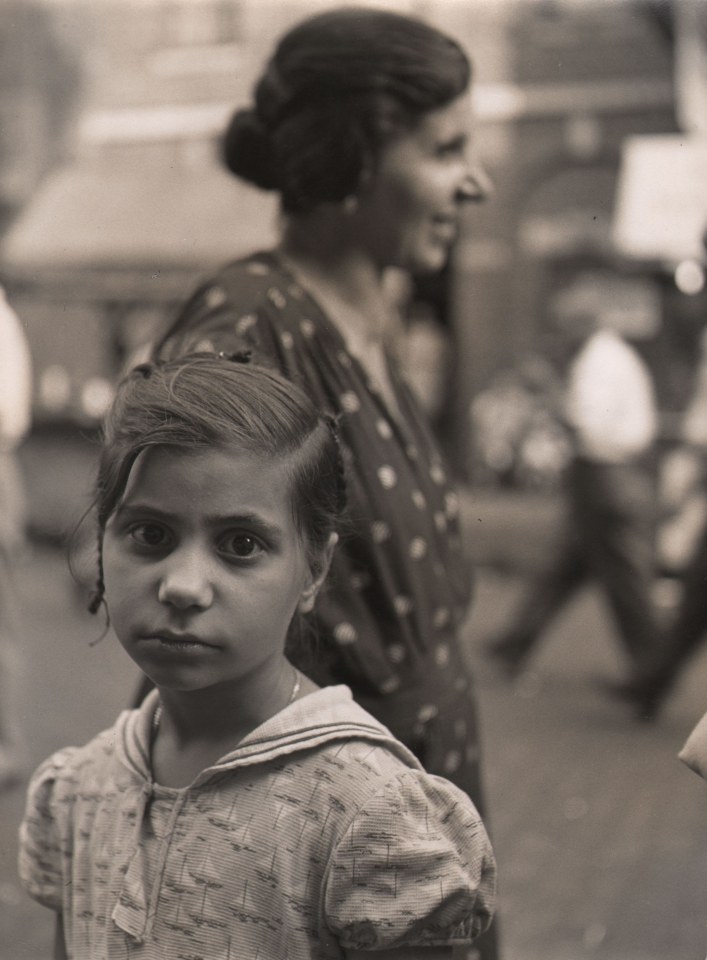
pixel 409 210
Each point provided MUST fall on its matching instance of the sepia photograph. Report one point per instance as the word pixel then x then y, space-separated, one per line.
pixel 353 479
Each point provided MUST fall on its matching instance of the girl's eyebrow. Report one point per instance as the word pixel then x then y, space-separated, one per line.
pixel 253 521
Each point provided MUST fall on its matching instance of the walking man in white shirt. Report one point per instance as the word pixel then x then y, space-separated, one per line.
pixel 686 468
pixel 610 413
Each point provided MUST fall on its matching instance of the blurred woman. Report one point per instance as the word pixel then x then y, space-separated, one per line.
pixel 361 123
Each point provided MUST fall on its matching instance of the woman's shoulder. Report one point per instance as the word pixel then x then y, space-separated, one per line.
pixel 248 304
pixel 246 283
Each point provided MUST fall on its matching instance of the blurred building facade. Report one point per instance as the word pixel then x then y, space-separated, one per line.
pixel 107 240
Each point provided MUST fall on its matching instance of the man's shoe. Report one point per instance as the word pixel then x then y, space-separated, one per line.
pixel 645 699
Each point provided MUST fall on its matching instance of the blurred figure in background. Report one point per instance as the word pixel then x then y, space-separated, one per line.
pixel 609 411
pixel 362 124
pixel 517 427
pixel 685 478
pixel 15 420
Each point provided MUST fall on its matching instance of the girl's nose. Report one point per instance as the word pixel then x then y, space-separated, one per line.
pixel 185 582
pixel 476 186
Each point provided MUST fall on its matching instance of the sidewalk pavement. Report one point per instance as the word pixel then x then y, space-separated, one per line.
pixel 599 830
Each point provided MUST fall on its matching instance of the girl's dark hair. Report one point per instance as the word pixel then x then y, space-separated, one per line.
pixel 205 400
pixel 337 89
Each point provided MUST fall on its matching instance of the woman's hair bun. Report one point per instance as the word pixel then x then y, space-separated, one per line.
pixel 247 150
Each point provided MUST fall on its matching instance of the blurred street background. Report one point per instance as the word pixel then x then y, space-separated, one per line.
pixel 591 122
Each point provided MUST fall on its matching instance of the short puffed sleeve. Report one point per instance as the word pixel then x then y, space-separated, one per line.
pixel 415 867
pixel 43 840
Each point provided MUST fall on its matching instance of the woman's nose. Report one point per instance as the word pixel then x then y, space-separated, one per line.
pixel 477 185
pixel 185 581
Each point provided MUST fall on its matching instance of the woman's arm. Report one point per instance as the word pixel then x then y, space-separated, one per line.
pixel 59 942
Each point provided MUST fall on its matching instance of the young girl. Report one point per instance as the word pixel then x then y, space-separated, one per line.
pixel 241 812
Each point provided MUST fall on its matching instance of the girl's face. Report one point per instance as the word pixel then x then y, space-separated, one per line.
pixel 409 211
pixel 204 568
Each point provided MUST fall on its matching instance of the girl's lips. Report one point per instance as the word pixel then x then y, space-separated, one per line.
pixel 181 641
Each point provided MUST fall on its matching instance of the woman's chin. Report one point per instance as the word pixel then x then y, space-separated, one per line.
pixel 431 262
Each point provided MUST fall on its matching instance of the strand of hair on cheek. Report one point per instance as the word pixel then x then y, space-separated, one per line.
pixel 98 593
pixel 97 599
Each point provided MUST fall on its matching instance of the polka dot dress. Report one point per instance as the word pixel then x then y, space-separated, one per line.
pixel 389 616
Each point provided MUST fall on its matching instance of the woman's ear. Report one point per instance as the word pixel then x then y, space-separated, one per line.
pixel 309 594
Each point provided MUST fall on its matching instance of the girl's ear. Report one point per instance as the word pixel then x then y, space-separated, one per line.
pixel 309 594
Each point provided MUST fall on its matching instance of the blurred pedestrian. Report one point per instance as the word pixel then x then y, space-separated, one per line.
pixel 610 415
pixel 15 421
pixel 685 472
pixel 241 811
pixel 362 124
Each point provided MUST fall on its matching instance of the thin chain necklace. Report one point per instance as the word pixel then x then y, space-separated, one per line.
pixel 294 693
pixel 296 687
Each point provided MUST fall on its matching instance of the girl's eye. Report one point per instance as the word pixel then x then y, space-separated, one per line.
pixel 244 546
pixel 149 534
pixel 451 148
